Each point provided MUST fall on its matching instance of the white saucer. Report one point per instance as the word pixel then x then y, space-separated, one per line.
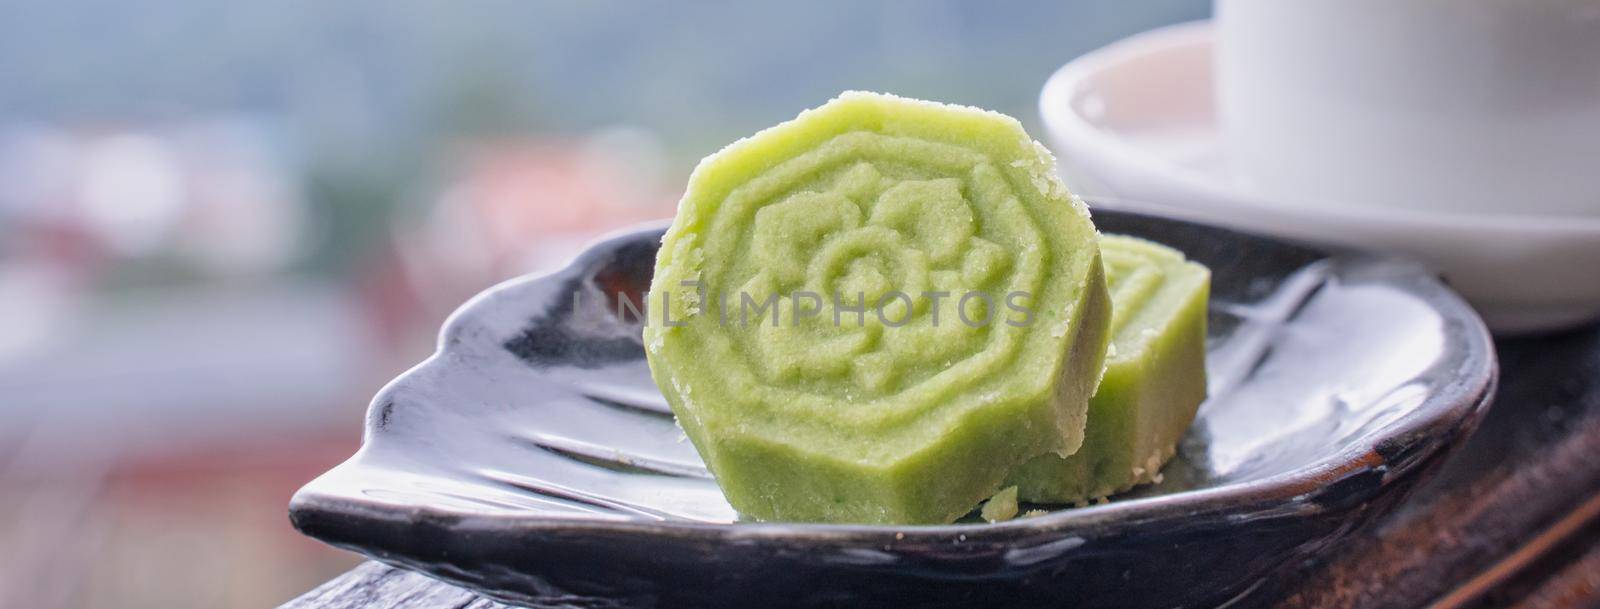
pixel 1134 127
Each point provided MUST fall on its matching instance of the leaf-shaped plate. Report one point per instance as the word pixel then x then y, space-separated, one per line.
pixel 532 458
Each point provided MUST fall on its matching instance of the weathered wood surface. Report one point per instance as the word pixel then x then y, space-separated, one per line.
pixel 1512 520
pixel 375 585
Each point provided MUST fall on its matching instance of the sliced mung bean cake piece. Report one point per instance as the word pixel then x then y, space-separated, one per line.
pixel 1155 377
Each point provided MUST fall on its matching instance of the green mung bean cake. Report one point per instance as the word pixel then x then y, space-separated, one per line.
pixel 875 312
pixel 1154 382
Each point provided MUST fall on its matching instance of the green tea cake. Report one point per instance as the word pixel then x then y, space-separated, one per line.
pixel 796 327
pixel 1155 377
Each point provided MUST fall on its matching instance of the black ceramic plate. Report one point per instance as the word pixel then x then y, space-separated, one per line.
pixel 532 458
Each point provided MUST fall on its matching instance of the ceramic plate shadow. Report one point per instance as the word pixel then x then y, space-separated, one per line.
pixel 532 459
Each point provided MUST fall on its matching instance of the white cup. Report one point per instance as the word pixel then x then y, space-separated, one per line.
pixel 1489 106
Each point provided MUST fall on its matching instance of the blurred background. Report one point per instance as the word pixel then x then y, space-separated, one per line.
pixel 223 226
